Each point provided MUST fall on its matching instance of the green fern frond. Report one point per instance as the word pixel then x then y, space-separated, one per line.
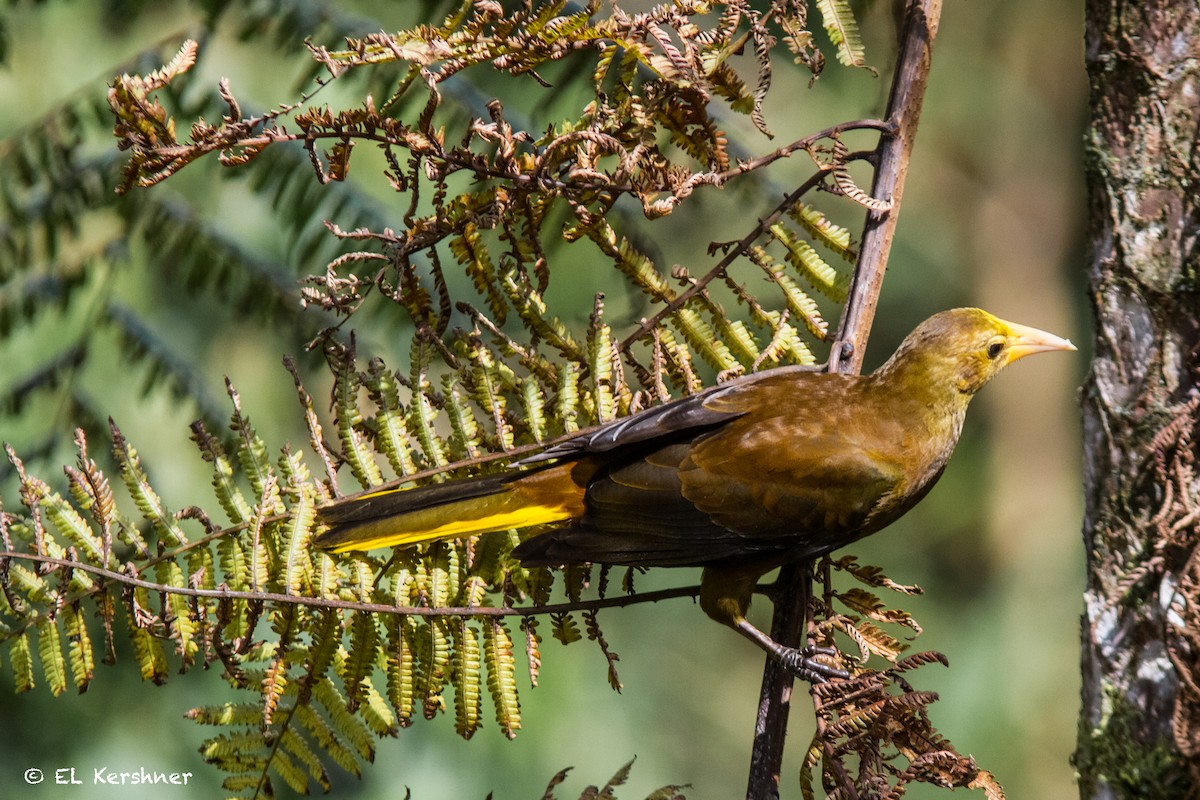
pixel 144 496
pixel 295 537
pixel 360 657
pixel 71 525
pixel 226 714
pixel 834 237
pixel 703 340
pixel 355 449
pixel 227 492
pixel 147 648
pixel 423 414
pixel 799 303
pixel 295 746
pixel 346 725
pixel 565 628
pixel 401 667
pixel 566 406
pixel 20 659
pixel 252 454
pixel 324 737
pixel 242 752
pixel 50 654
pixel 178 614
pixel 377 716
pixel 80 655
pixel 466 674
pixel 840 24
pixel 463 425
pixel 786 339
pixel 601 356
pixel 27 584
pixel 392 437
pixel 533 404
pixel 820 275
pixel 501 675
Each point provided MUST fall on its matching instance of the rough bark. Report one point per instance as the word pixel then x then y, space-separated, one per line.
pixel 1141 627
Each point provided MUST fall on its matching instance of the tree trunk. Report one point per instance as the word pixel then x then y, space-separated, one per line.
pixel 1139 733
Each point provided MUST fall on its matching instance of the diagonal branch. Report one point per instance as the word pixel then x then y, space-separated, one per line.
pixel 697 286
pixel 891 169
pixel 719 269
pixel 792 587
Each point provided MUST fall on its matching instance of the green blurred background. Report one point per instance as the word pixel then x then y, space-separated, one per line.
pixel 991 217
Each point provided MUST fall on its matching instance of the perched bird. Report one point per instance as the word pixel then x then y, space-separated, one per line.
pixel 778 467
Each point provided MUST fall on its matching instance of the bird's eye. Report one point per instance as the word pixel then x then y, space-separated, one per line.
pixel 995 348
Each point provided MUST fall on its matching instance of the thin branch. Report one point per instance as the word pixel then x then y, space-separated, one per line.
pixel 775 697
pixel 224 593
pixel 881 125
pixel 904 112
pixel 698 285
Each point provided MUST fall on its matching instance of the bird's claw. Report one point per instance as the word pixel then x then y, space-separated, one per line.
pixel 802 663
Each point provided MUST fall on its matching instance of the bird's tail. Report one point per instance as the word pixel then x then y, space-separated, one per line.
pixel 403 517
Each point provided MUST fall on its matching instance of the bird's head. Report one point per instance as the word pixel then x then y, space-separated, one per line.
pixel 966 347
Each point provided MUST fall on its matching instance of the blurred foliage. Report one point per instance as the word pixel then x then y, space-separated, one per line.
pixel 209 238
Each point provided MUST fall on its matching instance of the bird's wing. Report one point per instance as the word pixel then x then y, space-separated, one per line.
pixel 691 414
pixel 636 515
pixel 804 463
pixel 782 465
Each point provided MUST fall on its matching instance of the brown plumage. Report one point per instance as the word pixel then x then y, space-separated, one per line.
pixel 778 467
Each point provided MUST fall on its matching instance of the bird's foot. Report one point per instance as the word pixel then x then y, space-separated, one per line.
pixel 811 663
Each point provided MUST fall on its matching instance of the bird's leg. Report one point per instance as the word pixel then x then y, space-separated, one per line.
pixel 799 661
pixel 725 593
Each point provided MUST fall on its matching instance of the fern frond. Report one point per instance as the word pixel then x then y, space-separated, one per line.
pixel 401 667
pixel 178 613
pixel 147 648
pixel 50 654
pixel 834 237
pixel 466 674
pixel 810 265
pixel 348 416
pixel 228 494
pixel 80 655
pixel 501 676
pixel 359 659
pixel 345 724
pixel 840 24
pixel 392 437
pixel 296 537
pixel 20 658
pixel 138 484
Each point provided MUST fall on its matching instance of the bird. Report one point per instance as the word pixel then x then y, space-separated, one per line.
pixel 780 466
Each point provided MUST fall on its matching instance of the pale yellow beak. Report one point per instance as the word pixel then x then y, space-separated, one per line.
pixel 1025 341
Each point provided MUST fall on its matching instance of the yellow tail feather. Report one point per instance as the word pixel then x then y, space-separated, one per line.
pixel 540 498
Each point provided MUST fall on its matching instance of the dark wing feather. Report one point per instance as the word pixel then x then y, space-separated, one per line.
pixel 808 466
pixel 687 415
pixel 637 516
